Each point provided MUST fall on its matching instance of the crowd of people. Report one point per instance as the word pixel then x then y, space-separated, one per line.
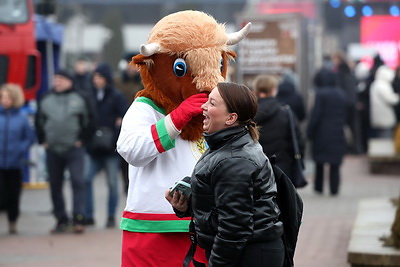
pixel 77 123
pixel 350 104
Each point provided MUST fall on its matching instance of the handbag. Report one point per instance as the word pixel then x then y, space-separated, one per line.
pixel 298 178
pixel 103 140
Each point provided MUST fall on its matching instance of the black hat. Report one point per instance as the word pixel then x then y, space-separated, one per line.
pixel 105 70
pixel 65 74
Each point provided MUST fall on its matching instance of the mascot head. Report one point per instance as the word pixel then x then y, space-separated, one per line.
pixel 186 53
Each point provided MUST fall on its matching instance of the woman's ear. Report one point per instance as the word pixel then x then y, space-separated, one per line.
pixel 232 118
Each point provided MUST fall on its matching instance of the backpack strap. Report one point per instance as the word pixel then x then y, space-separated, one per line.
pixel 192 250
pixel 297 154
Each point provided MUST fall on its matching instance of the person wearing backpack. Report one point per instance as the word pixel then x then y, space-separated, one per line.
pixel 233 191
pixel 276 136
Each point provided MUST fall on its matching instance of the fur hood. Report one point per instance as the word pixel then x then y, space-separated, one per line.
pixel 384 73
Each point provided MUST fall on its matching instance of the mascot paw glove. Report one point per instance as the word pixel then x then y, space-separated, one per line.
pixel 188 109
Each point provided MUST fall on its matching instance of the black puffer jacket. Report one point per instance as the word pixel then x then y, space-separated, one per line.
pixel 233 196
pixel 112 106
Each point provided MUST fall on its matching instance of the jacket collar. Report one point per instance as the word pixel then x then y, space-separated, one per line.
pixel 68 91
pixel 11 110
pixel 220 138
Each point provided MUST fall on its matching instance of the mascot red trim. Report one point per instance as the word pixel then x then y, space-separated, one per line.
pixel 186 55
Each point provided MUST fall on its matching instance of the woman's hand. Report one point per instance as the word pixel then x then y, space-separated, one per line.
pixel 177 200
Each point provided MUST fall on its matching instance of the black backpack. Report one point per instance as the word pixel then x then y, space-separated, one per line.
pixel 291 206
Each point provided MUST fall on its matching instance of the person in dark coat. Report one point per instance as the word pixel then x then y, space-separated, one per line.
pixel 82 76
pixel 110 106
pixel 325 129
pixel 287 95
pixel 346 81
pixel 272 117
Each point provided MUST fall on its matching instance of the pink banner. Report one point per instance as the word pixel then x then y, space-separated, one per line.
pixel 383 34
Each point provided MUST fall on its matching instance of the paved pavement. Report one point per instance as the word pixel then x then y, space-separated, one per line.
pixel 323 239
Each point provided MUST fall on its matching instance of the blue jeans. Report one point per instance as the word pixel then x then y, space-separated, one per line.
pixel 111 164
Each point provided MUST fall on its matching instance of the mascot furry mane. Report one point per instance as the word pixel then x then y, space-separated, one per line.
pixel 186 53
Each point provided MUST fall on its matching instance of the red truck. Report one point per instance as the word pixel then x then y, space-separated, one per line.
pixel 20 61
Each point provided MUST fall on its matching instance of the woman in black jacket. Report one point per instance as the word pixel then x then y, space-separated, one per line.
pixel 233 199
pixel 273 119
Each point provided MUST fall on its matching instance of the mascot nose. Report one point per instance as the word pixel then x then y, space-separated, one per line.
pixel 206 90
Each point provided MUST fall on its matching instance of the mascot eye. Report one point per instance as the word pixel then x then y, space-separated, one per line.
pixel 222 64
pixel 179 67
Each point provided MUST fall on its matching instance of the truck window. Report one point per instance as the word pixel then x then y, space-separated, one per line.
pixel 13 11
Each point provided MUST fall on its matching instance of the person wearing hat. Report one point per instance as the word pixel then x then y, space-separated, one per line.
pixel 110 106
pixel 64 124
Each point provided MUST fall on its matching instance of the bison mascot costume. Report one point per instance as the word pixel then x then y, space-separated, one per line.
pixel 161 136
